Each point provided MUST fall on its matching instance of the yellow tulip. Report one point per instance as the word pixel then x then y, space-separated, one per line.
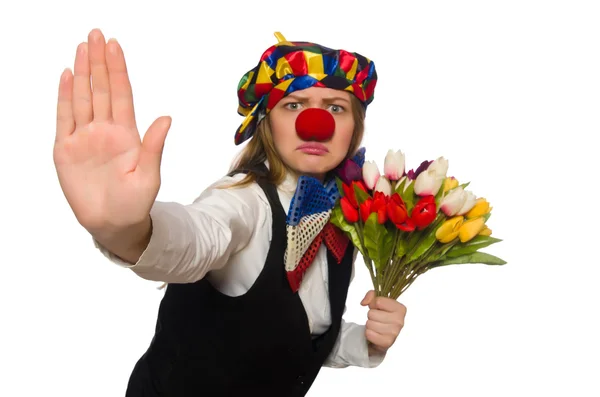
pixel 480 208
pixel 486 231
pixel 470 229
pixel 448 231
pixel 450 183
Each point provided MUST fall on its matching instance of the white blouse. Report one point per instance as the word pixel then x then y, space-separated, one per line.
pixel 225 235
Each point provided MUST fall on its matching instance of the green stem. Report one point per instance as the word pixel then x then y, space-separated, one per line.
pixel 395 294
pixel 398 265
pixel 390 267
pixel 401 263
pixel 419 267
pixel 368 261
pixel 370 267
pixel 407 271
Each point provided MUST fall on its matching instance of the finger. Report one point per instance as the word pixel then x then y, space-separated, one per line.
pixel 386 317
pixel 383 328
pixel 153 144
pixel 120 86
pixel 388 304
pixel 82 92
pixel 65 124
pixel 368 298
pixel 100 82
pixel 379 340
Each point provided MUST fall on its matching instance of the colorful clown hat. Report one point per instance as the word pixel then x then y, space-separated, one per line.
pixel 290 66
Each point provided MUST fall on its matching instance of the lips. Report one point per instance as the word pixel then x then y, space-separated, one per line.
pixel 313 148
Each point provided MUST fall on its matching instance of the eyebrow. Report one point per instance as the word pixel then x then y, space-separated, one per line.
pixel 328 100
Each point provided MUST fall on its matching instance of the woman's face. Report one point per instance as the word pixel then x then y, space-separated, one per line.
pixel 289 145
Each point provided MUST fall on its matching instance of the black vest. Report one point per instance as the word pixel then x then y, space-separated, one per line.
pixel 257 344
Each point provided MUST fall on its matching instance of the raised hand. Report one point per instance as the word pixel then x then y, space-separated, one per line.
pixel 110 178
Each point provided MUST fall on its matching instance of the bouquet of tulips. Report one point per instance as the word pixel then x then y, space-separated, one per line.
pixel 406 223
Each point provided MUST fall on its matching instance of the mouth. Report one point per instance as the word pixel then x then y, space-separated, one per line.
pixel 313 148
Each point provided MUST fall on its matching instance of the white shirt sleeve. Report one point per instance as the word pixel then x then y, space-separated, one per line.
pixel 351 347
pixel 187 241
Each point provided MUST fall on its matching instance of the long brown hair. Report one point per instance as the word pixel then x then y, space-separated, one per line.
pixel 261 147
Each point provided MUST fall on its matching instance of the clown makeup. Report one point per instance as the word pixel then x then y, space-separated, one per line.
pixel 316 141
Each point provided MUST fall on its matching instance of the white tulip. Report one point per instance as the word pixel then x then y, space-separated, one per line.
pixel 453 201
pixel 393 166
pixel 428 182
pixel 371 174
pixel 440 165
pixel 469 203
pixel 383 186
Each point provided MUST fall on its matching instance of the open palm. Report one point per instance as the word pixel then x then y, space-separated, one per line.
pixel 109 176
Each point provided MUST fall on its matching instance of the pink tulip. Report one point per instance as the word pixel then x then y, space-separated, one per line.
pixel 453 201
pixel 371 174
pixel 393 166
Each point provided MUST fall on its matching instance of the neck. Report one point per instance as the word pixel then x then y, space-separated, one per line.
pixel 320 177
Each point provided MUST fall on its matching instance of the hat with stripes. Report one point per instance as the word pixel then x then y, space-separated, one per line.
pixel 290 66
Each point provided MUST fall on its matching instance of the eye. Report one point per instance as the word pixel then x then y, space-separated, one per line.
pixel 337 108
pixel 292 105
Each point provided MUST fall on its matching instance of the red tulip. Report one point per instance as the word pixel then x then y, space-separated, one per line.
pixel 350 213
pixel 424 212
pixel 365 209
pixel 350 194
pixel 380 203
pixel 396 210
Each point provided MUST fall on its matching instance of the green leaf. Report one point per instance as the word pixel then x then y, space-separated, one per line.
pixel 471 246
pixel 337 219
pixel 487 216
pixel 476 257
pixel 400 186
pixel 379 241
pixel 439 254
pixel 464 185
pixel 413 239
pixel 440 194
pixel 408 196
pixel 361 195
pixel 423 246
pixel 402 245
pixel 340 187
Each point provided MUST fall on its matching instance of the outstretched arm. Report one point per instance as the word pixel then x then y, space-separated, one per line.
pixel 187 241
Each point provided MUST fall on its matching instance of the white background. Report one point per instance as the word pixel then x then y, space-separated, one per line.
pixel 508 91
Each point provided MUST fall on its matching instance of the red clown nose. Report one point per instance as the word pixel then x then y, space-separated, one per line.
pixel 315 124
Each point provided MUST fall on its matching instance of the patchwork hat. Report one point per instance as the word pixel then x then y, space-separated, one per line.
pixel 290 66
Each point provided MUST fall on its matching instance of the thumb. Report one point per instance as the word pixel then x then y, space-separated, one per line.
pixel 368 298
pixel 154 143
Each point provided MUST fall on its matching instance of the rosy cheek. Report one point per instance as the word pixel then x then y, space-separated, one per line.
pixel 345 130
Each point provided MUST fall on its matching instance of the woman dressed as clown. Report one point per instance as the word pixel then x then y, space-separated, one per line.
pixel 257 277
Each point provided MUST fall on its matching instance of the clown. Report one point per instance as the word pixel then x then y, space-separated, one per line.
pixel 257 277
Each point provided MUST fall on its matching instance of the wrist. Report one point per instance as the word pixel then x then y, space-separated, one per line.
pixel 127 243
pixel 375 350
